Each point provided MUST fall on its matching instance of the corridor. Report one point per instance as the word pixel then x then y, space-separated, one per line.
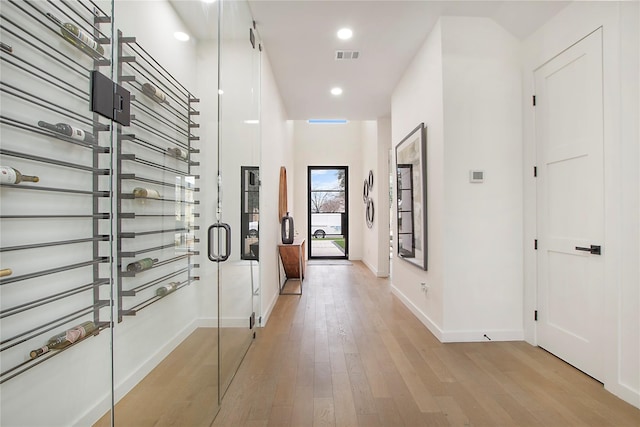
pixel 348 353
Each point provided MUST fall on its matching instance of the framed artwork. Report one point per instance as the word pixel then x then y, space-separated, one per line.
pixel 411 196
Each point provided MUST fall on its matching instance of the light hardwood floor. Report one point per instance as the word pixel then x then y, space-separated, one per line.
pixel 182 390
pixel 348 353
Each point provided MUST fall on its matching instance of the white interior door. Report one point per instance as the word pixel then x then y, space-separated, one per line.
pixel 570 192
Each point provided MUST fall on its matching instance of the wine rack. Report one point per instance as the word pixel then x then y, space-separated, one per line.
pixel 55 239
pixel 155 155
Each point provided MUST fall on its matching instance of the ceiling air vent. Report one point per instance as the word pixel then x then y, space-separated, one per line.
pixel 343 55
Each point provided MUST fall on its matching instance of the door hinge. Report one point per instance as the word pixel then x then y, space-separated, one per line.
pixel 252 320
pixel 535 171
pixel 252 38
pixel 534 100
pixel 109 99
pixel 260 321
pixel 535 244
pixel 535 315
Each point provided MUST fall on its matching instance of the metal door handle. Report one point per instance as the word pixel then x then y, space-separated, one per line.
pixel 211 249
pixel 594 249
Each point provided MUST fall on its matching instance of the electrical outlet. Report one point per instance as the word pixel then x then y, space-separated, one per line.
pixel 424 287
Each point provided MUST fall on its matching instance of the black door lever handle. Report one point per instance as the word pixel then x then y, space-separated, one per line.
pixel 594 249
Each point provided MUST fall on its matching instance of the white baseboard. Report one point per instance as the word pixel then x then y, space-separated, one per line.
pixel 625 393
pixel 228 322
pixel 269 309
pixel 370 267
pixel 483 335
pixel 426 321
pixel 458 336
pixel 375 271
pixel 207 322
pixel 93 414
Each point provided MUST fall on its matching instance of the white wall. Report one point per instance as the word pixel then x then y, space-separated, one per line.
pixel 277 151
pixel 417 98
pixel 156 35
pixel 464 84
pixel 621 52
pixel 381 191
pixel 483 131
pixel 330 145
pixel 370 245
pixel 376 141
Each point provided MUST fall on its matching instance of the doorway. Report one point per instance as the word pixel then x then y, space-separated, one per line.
pixel 328 212
pixel 570 205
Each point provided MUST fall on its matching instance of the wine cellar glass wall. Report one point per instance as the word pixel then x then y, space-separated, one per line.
pixel 101 290
pixel 156 190
pixel 56 178
pixel 57 167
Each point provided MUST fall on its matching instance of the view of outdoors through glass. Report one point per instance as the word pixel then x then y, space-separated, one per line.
pixel 328 212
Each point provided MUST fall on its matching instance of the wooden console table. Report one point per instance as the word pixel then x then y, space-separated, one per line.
pixel 293 262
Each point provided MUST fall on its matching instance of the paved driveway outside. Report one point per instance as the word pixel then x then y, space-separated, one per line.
pixel 324 247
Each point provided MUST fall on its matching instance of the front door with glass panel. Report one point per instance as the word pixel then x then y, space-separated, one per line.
pixel 328 219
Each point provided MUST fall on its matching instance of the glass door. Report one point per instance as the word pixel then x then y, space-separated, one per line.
pixel 238 184
pixel 166 331
pixel 55 214
pixel 328 212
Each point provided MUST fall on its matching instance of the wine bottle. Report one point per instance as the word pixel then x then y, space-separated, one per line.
pixel 79 38
pixel 145 193
pixel 7 48
pixel 167 289
pixel 6 272
pixel 154 93
pixel 9 175
pixel 68 130
pixel 65 339
pixel 143 264
pixel 177 153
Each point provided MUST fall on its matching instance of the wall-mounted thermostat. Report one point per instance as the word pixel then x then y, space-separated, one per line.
pixel 476 176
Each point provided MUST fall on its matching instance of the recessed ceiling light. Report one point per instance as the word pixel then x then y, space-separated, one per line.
pixel 208 1
pixel 336 91
pixel 183 37
pixel 345 34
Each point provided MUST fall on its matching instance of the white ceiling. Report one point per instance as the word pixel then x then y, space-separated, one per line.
pixel 300 40
pixel 299 37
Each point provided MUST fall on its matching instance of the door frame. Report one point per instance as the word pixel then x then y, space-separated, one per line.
pixel 345 221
